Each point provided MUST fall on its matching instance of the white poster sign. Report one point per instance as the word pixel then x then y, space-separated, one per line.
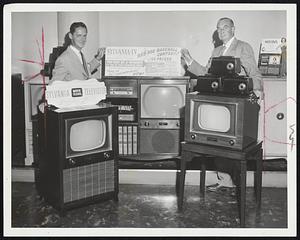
pixel 271 46
pixel 143 61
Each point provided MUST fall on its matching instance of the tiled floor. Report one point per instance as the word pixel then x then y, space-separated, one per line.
pixel 153 206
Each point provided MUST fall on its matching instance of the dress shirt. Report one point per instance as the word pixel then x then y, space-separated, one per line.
pixel 227 45
pixel 77 52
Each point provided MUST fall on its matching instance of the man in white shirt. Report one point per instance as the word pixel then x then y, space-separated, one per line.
pixel 71 64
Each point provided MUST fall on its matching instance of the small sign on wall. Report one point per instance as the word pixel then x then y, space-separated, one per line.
pixel 143 61
pixel 271 45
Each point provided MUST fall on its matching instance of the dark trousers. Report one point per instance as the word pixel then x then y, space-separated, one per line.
pixel 229 167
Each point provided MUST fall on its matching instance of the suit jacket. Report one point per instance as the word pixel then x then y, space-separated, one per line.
pixel 68 67
pixel 238 49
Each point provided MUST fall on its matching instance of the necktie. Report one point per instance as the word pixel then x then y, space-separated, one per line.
pixel 84 64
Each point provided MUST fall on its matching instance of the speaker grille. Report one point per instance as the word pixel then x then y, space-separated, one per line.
pixel 163 141
pixel 88 180
pixel 159 141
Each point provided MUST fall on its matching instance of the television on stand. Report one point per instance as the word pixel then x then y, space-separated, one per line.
pixel 78 161
pixel 221 120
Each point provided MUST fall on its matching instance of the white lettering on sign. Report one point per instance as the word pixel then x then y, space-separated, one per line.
pixel 271 41
pixel 57 94
pixel 125 108
pixel 121 51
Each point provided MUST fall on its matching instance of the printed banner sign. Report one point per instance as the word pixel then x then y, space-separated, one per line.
pixel 143 61
pixel 66 94
pixel 271 46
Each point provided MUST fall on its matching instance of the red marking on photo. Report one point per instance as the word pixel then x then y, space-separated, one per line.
pixel 41 63
pixel 264 124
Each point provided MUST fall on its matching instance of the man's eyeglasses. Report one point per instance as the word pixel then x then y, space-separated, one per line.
pixel 225 28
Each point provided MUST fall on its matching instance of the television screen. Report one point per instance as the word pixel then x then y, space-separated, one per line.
pixel 214 117
pixel 162 101
pixel 88 135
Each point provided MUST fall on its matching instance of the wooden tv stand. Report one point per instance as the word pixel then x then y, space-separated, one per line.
pixel 253 152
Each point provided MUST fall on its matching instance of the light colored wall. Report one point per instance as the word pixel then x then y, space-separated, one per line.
pixel 190 29
pixel 26 30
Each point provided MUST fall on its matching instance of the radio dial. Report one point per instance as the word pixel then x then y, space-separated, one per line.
pixel 193 136
pixel 214 85
pixel 231 142
pixel 242 86
pixel 230 66
pixel 106 155
pixel 71 161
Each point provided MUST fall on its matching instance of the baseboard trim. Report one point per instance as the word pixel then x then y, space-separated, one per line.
pixel 168 177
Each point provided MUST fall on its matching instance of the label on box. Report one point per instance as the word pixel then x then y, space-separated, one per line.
pixel 76 93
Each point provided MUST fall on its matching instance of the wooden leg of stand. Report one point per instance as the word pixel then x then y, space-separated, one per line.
pixel 258 179
pixel 184 156
pixel 202 178
pixel 242 194
pixel 177 176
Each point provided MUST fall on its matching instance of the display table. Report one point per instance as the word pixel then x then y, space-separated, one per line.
pixel 253 152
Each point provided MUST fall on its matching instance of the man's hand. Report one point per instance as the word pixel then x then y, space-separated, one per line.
pixel 186 56
pixel 259 94
pixel 100 53
pixel 42 106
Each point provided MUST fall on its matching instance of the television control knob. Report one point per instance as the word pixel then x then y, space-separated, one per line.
pixel 214 85
pixel 106 155
pixel 146 124
pixel 193 136
pixel 71 161
pixel 231 142
pixel 280 116
pixel 242 86
pixel 230 66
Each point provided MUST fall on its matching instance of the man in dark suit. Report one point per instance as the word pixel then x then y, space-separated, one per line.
pixel 239 49
pixel 71 64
